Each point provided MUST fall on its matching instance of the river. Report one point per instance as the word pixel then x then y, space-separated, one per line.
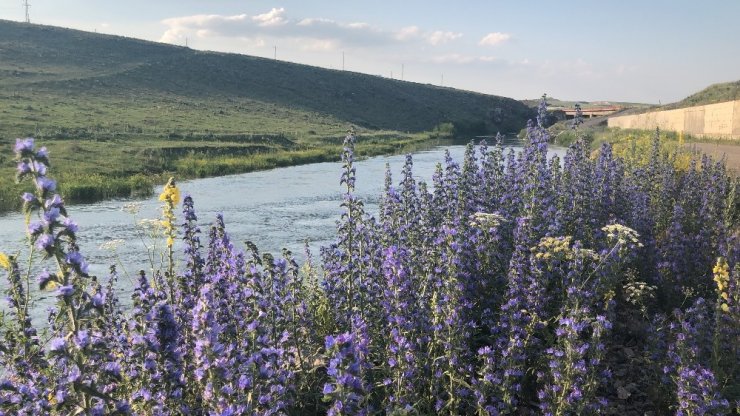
pixel 275 209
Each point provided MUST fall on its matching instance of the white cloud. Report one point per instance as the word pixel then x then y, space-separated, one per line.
pixel 439 37
pixel 408 32
pixel 494 38
pixel 274 17
pixel 312 33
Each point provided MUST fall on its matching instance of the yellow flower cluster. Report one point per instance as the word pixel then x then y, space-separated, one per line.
pixel 4 261
pixel 170 193
pixel 170 196
pixel 721 273
pixel 554 246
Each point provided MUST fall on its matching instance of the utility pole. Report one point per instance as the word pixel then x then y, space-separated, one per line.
pixel 401 72
pixel 342 60
pixel 274 56
pixel 26 5
pixel 442 82
pixel 186 41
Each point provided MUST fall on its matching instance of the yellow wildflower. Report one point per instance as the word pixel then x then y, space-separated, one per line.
pixel 170 193
pixel 721 273
pixel 170 241
pixel 4 261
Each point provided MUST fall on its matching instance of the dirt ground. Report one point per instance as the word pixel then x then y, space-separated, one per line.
pixel 730 151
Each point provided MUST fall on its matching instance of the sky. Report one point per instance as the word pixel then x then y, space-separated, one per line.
pixel 649 51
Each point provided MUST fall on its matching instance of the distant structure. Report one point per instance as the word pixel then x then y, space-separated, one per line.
pixel 719 120
pixel 28 16
pixel 589 111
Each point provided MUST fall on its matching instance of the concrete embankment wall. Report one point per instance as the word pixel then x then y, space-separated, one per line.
pixel 721 120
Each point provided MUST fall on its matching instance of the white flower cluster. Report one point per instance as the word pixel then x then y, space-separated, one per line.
pixel 622 234
pixel 486 221
pixel 111 245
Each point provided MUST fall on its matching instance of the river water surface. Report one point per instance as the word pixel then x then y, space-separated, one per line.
pixel 275 209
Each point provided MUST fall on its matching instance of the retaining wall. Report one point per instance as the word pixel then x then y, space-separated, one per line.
pixel 721 120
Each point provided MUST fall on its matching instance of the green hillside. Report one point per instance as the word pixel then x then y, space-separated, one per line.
pixel 119 113
pixel 63 62
pixel 715 93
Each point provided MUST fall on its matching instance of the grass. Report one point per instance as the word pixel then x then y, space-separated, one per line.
pixel 715 93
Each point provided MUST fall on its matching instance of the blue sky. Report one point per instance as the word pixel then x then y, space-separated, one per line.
pixel 642 51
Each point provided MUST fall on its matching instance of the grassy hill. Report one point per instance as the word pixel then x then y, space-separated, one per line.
pixel 118 112
pixel 715 93
pixel 51 60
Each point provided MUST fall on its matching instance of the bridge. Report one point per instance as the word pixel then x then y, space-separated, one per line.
pixel 589 111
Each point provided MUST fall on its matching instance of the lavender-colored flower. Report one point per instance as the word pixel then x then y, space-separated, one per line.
pixel 57 345
pixel 23 168
pixel 70 226
pixel 35 228
pixel 44 279
pixel 54 202
pixel 23 146
pixel 78 263
pixel 45 242
pixel 42 153
pixel 66 290
pixel 44 184
pixel 50 216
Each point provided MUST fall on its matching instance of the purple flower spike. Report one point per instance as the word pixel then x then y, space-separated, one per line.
pixel 39 168
pixel 54 202
pixel 70 225
pixel 57 345
pixel 78 262
pixel 82 339
pixel 98 300
pixel 23 168
pixel 24 145
pixel 43 153
pixel 51 216
pixel 66 290
pixel 35 228
pixel 28 197
pixel 44 279
pixel 45 242
pixel 45 184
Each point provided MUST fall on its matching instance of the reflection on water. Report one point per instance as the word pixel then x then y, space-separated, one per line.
pixel 275 209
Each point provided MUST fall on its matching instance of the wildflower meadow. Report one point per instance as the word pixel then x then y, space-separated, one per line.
pixel 512 284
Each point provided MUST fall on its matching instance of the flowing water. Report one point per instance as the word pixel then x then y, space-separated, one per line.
pixel 275 209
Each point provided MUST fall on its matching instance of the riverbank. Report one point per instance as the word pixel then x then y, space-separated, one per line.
pixel 95 170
